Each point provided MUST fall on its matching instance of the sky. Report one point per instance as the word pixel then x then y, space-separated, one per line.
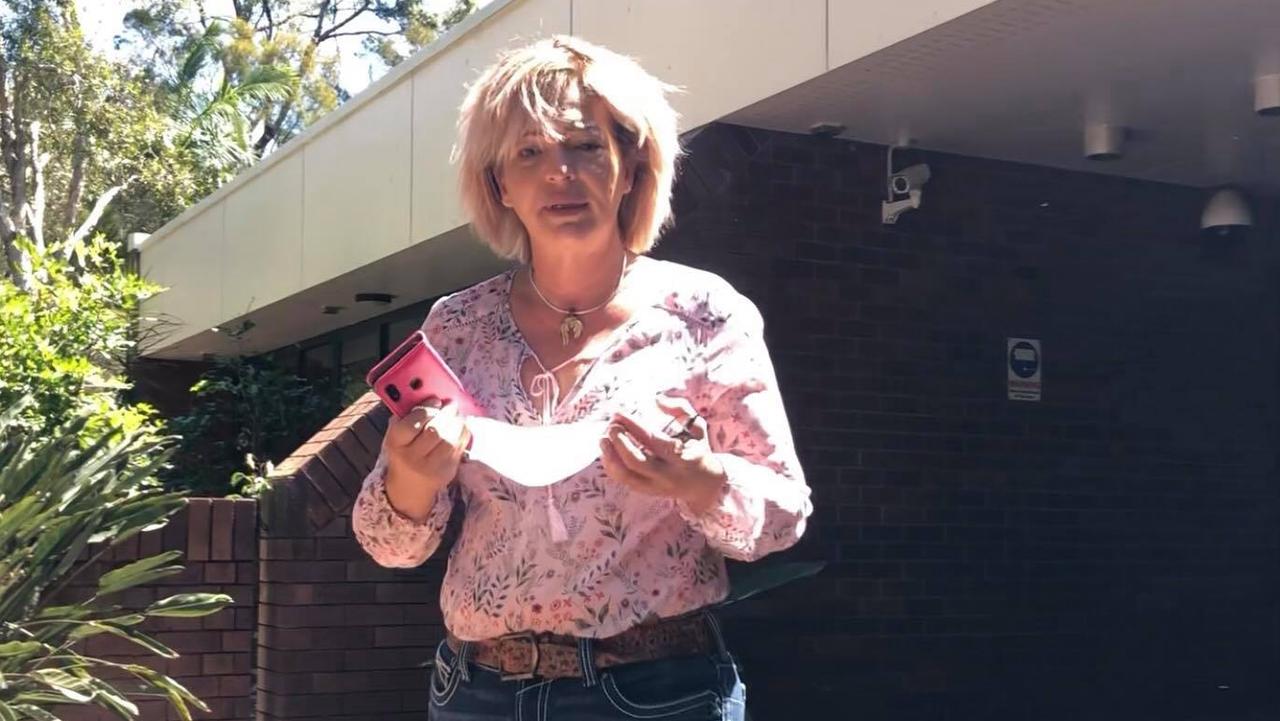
pixel 102 21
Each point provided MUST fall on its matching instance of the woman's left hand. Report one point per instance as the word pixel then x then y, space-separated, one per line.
pixel 664 462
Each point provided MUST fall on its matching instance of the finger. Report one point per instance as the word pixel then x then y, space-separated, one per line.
pixel 430 402
pixel 627 448
pixel 439 456
pixel 683 413
pixel 641 436
pixel 424 445
pixel 698 429
pixel 429 409
pixel 464 442
pixel 447 424
pixel 630 455
pixel 662 444
pixel 403 431
pixel 679 408
pixel 428 438
pixel 618 471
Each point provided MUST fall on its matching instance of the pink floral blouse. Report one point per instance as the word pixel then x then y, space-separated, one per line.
pixel 627 557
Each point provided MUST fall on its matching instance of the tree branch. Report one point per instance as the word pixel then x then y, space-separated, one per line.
pixel 94 216
pixel 354 14
pixel 271 129
pixel 271 26
pixel 7 228
pixel 16 159
pixel 320 13
pixel 384 33
pixel 35 211
pixel 75 191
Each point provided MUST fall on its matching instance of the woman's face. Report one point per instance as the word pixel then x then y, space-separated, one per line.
pixel 569 190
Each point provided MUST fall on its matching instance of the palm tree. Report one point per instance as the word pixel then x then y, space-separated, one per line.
pixel 63 497
pixel 215 125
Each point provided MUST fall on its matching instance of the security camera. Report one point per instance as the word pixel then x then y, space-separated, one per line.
pixel 912 177
pixel 909 182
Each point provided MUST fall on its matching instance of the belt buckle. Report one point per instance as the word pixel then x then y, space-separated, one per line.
pixel 529 636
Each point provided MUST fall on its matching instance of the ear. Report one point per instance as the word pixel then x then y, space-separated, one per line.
pixel 629 167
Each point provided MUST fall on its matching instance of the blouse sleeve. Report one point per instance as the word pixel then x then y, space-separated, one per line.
pixel 391 538
pixel 765 502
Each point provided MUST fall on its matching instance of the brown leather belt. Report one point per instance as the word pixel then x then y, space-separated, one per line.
pixel 552 656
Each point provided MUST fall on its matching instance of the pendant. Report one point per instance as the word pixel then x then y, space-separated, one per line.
pixel 570 329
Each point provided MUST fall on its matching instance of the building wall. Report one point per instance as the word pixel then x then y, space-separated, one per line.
pixel 1107 552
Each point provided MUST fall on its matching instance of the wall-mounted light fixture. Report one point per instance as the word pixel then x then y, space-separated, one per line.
pixel 1226 213
pixel 1103 141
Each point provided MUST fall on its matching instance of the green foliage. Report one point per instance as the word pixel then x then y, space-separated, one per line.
pixel 247 413
pixel 171 39
pixel 86 142
pixel 66 338
pixel 214 125
pixel 418 28
pixel 60 502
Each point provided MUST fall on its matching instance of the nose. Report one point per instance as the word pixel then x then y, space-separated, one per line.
pixel 560 164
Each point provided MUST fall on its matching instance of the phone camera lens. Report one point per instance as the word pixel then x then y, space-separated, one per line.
pixel 415 384
pixel 393 393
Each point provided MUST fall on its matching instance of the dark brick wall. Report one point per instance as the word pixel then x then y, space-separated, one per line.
pixel 1111 552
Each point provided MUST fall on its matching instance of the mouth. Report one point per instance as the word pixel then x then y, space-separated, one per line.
pixel 565 207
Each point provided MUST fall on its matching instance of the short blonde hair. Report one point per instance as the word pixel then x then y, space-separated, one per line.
pixel 526 86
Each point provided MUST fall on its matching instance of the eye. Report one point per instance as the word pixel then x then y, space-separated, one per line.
pixel 527 152
pixel 590 146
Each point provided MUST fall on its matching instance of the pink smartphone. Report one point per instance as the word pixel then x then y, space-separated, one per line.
pixel 414 372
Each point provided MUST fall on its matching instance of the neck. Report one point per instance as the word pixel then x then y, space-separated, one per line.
pixel 578 278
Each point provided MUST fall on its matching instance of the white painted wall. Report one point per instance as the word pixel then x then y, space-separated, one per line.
pixel 726 54
pixel 355 190
pixel 262 239
pixel 191 271
pixel 438 89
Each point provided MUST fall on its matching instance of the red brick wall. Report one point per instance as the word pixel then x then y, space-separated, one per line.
pixel 218 538
pixel 341 637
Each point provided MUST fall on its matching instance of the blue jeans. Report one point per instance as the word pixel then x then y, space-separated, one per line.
pixel 705 688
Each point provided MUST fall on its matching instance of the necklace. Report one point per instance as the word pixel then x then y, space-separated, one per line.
pixel 571 325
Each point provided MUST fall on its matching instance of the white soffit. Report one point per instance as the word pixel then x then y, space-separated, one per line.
pixel 1018 79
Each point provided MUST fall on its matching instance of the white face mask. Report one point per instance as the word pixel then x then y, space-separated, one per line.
pixel 535 456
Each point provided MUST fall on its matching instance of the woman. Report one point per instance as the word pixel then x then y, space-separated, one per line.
pixel 587 599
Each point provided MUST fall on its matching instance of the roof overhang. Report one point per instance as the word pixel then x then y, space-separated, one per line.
pixel 364 201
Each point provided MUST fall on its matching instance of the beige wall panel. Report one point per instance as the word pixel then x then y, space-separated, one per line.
pixel 726 54
pixel 859 28
pixel 263 261
pixel 438 89
pixel 191 265
pixel 356 188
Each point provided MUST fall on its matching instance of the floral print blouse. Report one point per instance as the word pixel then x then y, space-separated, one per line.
pixel 619 558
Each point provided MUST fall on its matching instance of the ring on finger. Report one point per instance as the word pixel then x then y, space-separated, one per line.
pixel 683 430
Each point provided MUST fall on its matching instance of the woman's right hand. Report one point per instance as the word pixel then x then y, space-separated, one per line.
pixel 423 451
